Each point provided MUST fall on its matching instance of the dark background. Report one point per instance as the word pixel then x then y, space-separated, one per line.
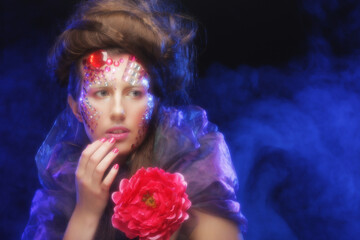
pixel 280 78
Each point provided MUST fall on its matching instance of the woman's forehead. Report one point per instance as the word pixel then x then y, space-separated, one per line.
pixel 103 68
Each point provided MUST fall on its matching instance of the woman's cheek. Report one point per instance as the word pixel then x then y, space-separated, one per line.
pixel 89 113
pixel 143 120
pixel 149 109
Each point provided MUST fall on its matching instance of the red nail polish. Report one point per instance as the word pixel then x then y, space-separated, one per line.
pixel 115 150
pixel 112 140
pixel 116 166
pixel 103 140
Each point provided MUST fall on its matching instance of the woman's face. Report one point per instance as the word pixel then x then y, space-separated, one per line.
pixel 115 101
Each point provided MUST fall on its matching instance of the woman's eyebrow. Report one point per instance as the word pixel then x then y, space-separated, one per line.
pixel 129 87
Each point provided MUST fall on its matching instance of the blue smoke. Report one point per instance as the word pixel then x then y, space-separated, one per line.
pixel 294 131
pixel 294 135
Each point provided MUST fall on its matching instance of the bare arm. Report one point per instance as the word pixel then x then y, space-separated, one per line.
pixel 211 227
pixel 81 226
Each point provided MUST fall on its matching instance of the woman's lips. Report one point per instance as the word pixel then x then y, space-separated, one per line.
pixel 119 133
pixel 117 136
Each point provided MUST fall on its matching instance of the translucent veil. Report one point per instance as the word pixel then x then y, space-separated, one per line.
pixel 185 142
pixel 66 132
pixel 56 161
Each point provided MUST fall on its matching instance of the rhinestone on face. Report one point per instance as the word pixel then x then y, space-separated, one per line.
pixel 109 61
pixel 96 59
pixel 134 73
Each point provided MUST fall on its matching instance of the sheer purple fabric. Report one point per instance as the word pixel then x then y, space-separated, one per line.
pixel 185 142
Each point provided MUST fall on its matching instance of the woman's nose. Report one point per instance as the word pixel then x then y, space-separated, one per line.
pixel 117 109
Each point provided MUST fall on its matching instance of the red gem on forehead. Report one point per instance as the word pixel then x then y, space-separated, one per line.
pixel 96 59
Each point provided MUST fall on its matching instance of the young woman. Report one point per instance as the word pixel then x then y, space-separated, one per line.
pixel 126 63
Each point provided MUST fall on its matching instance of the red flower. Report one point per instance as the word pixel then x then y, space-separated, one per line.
pixel 151 205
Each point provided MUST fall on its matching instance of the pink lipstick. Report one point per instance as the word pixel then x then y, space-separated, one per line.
pixel 119 133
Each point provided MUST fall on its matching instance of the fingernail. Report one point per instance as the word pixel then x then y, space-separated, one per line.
pixel 115 150
pixel 112 140
pixel 116 166
pixel 103 140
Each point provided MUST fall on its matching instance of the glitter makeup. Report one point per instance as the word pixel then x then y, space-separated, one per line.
pixel 88 112
pixel 135 74
pixel 94 74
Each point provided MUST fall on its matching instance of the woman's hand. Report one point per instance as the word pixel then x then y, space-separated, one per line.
pixel 92 188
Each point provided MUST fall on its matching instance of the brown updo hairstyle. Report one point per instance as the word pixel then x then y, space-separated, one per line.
pixel 152 30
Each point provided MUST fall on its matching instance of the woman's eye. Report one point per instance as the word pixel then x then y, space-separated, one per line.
pixel 136 93
pixel 102 93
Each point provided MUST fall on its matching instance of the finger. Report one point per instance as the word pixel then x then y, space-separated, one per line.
pixel 86 154
pixel 103 165
pixel 98 156
pixel 109 179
